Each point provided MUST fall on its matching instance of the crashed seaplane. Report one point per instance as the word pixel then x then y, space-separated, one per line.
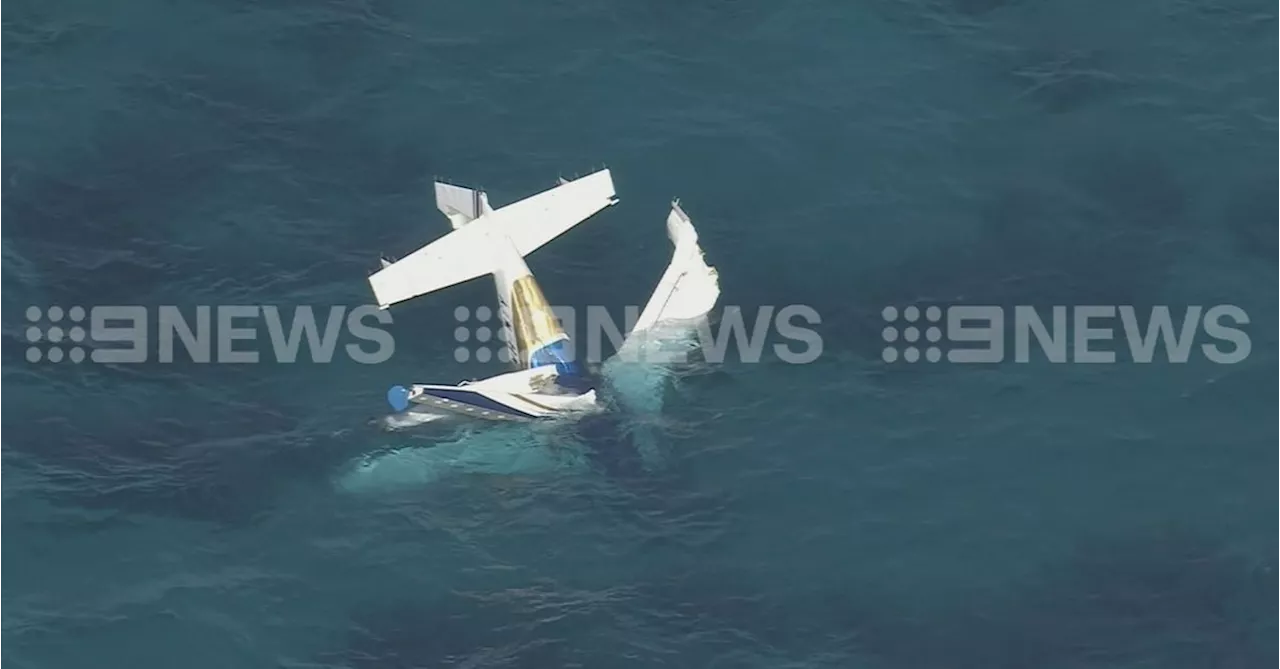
pixel 548 382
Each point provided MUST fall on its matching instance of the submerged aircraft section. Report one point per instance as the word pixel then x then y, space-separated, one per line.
pixel 547 381
pixel 548 384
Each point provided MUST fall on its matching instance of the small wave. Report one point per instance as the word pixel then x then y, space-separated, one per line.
pixel 408 420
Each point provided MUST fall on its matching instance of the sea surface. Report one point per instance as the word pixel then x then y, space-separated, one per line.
pixel 845 156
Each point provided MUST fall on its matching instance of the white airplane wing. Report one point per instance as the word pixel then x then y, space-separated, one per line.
pixel 464 254
pixel 534 221
pixel 689 287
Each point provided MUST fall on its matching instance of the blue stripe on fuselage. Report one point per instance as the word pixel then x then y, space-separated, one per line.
pixel 475 399
pixel 556 353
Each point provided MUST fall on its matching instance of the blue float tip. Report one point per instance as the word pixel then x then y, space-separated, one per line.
pixel 398 398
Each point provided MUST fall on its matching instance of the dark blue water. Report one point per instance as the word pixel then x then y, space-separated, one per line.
pixel 845 156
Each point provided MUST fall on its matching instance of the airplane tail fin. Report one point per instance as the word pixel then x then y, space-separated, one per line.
pixel 468 251
pixel 461 205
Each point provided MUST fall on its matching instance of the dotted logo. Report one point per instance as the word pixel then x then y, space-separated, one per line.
pixel 62 336
pixel 911 334
pixel 482 336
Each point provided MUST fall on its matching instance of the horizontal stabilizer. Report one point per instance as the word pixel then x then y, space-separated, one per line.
pixel 461 205
pixel 468 251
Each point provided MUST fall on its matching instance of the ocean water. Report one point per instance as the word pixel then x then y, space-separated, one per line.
pixel 846 156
